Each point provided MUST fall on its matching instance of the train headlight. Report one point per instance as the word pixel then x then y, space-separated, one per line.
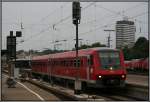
pixel 111 68
pixel 123 76
pixel 100 76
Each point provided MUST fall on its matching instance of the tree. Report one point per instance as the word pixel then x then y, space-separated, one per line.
pixel 126 52
pixel 140 41
pixel 97 44
pixel 139 50
pixel 84 46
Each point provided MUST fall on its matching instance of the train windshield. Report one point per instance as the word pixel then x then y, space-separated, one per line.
pixel 109 59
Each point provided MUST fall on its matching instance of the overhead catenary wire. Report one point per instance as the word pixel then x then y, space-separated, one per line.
pixel 84 33
pixel 130 8
pixel 111 11
pixel 36 34
pixel 32 25
pixel 65 20
pixel 141 14
pixel 89 30
pixel 42 19
pixel 62 20
pixel 113 23
pixel 100 27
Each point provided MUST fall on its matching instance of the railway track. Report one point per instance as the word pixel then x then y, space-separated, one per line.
pixel 129 93
pixel 138 73
pixel 97 94
pixel 114 94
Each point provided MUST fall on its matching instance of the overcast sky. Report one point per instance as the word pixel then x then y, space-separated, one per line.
pixel 45 22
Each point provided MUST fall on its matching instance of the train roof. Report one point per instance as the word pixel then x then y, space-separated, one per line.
pixel 22 59
pixel 70 54
pixel 101 49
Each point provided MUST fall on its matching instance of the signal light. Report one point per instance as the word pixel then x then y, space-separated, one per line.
pixel 18 33
pixel 76 12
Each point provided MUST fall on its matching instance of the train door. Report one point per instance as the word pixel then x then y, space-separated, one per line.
pixel 89 66
pixel 49 70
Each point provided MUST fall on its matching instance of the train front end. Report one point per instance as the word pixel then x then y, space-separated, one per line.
pixel 110 70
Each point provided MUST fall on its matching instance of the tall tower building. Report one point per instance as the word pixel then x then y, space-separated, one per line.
pixel 125 34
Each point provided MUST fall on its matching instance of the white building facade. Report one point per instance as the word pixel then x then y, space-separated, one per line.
pixel 125 34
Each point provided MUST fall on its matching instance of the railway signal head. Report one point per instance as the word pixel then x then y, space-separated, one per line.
pixel 76 12
pixel 11 46
pixel 18 33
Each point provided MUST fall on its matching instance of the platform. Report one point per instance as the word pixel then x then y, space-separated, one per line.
pixel 20 93
pixel 137 79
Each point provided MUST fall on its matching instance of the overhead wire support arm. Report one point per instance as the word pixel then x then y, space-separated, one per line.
pixel 108 41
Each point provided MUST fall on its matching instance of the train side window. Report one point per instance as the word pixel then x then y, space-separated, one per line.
pixel 61 63
pixel 66 63
pixel 81 62
pixel 90 60
pixel 56 62
pixel 71 63
pixel 53 63
pixel 78 62
pixel 74 63
pixel 49 63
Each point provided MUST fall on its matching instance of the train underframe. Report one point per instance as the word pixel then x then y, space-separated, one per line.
pixel 108 83
pixel 114 82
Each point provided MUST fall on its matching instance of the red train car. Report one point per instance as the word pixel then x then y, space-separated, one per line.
pixel 137 64
pixel 97 67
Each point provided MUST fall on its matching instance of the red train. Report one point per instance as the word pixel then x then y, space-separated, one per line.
pixel 137 64
pixel 98 67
